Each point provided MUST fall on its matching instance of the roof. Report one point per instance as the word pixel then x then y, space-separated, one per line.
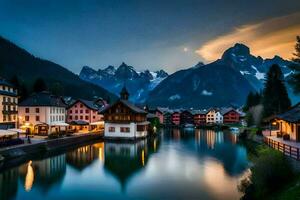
pixel 128 104
pixel 198 112
pixel 150 116
pixel 292 115
pixel 87 103
pixel 6 83
pixel 43 99
pixel 226 110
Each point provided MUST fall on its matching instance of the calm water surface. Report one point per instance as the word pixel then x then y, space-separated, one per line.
pixel 200 164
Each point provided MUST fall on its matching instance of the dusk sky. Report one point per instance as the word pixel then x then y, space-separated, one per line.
pixel 150 34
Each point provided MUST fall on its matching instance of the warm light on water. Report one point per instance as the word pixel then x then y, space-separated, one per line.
pixel 175 165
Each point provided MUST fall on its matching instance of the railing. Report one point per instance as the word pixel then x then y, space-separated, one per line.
pixel 286 149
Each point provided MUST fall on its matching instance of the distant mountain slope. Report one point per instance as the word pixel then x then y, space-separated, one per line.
pixel 221 83
pixel 255 68
pixel 201 87
pixel 17 61
pixel 139 84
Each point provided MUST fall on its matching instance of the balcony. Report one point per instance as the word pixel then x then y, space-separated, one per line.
pixel 9 112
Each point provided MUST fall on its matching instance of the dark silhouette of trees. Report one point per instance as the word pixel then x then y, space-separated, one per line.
pixel 295 79
pixel 253 99
pixel 275 96
pixel 39 85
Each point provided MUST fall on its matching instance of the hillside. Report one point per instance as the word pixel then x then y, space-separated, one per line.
pixel 17 61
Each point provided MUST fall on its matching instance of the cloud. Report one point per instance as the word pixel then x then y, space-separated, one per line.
pixel 276 36
pixel 206 93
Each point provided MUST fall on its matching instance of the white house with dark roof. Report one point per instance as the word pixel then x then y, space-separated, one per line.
pixel 42 113
pixel 124 120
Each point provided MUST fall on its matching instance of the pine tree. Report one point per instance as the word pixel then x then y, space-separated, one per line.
pixel 20 86
pixel 275 97
pixel 295 79
pixel 39 85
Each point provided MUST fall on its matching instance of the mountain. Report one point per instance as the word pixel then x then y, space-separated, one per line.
pixel 227 81
pixel 139 84
pixel 201 87
pixel 254 69
pixel 15 61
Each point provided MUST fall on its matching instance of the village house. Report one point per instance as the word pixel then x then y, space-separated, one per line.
pixel 288 124
pixel 125 120
pixel 159 112
pixel 168 118
pixel 186 117
pixel 199 117
pixel 8 106
pixel 84 115
pixel 175 117
pixel 214 116
pixel 230 116
pixel 42 113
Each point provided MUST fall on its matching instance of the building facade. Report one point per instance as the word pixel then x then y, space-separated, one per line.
pixel 199 117
pixel 230 116
pixel 42 113
pixel 84 115
pixel 214 116
pixel 175 118
pixel 8 106
pixel 125 120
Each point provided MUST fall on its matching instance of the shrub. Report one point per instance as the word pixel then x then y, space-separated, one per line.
pixel 270 171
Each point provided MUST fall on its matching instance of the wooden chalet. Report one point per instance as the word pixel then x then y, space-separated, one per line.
pixel 125 120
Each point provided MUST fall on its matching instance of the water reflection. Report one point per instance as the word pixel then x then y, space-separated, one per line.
pixel 176 164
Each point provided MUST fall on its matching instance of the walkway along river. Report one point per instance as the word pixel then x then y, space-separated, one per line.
pixel 175 164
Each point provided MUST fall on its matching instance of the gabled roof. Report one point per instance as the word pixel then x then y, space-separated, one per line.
pixel 127 104
pixel 199 112
pixel 87 103
pixel 292 115
pixel 43 99
pixel 226 110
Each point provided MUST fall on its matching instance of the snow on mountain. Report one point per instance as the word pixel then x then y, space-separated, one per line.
pixel 138 83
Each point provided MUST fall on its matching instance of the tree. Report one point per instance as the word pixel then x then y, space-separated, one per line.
pixel 20 86
pixel 39 85
pixel 275 96
pixel 295 78
pixel 253 99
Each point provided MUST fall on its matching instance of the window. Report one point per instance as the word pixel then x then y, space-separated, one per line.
pixel 70 117
pixel 76 117
pixel 37 118
pixel 125 129
pixel 292 127
pixel 26 110
pixel 94 117
pixel 111 129
pixel 70 111
pixel 37 110
pixel 4 99
pixel 141 128
pixel 86 111
pixel 81 105
pixel 76 111
pixel 4 118
pixel 27 118
pixel 86 117
pixel 81 117
pixel 81 111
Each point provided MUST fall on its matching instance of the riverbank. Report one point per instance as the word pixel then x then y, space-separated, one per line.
pixel 19 153
pixel 283 178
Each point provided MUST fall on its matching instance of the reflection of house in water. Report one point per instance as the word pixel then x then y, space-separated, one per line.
pixel 43 173
pixel 84 156
pixel 9 184
pixel 124 159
